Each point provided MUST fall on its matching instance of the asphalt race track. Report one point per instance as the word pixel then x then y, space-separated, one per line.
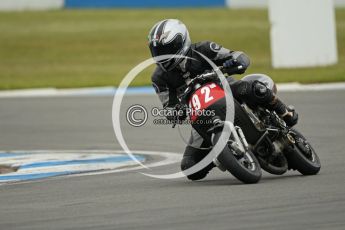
pixel 130 200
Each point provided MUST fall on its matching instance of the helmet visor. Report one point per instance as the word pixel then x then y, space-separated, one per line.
pixel 172 48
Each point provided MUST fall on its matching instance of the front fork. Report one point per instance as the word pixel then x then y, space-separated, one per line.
pixel 236 142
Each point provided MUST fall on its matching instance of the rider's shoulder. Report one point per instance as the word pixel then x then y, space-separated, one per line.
pixel 207 47
pixel 202 45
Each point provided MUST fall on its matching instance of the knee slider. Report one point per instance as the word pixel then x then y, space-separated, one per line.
pixel 261 93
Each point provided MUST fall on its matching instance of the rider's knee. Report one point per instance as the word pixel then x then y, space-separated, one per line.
pixel 197 176
pixel 188 162
pixel 252 92
pixel 261 93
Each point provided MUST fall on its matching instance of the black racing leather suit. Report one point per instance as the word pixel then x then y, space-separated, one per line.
pixel 168 85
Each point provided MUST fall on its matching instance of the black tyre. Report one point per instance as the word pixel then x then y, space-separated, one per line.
pixel 275 163
pixel 302 156
pixel 245 168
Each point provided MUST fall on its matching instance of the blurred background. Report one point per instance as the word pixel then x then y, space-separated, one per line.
pixel 87 43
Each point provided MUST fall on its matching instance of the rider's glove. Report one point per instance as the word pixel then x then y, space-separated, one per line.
pixel 230 63
pixel 237 59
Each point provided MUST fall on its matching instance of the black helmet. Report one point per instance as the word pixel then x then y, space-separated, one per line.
pixel 169 37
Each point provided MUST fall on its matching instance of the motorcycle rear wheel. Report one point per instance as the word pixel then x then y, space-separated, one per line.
pixel 302 156
pixel 273 168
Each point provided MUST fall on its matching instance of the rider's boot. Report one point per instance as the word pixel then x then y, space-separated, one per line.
pixel 287 113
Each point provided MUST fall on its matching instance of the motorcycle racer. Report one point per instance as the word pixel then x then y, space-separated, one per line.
pixel 171 37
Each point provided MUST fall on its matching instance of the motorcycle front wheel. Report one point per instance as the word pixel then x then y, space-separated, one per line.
pixel 245 168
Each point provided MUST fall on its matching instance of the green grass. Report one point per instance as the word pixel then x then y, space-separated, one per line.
pixel 83 48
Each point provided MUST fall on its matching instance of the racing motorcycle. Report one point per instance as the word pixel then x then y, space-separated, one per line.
pixel 258 138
